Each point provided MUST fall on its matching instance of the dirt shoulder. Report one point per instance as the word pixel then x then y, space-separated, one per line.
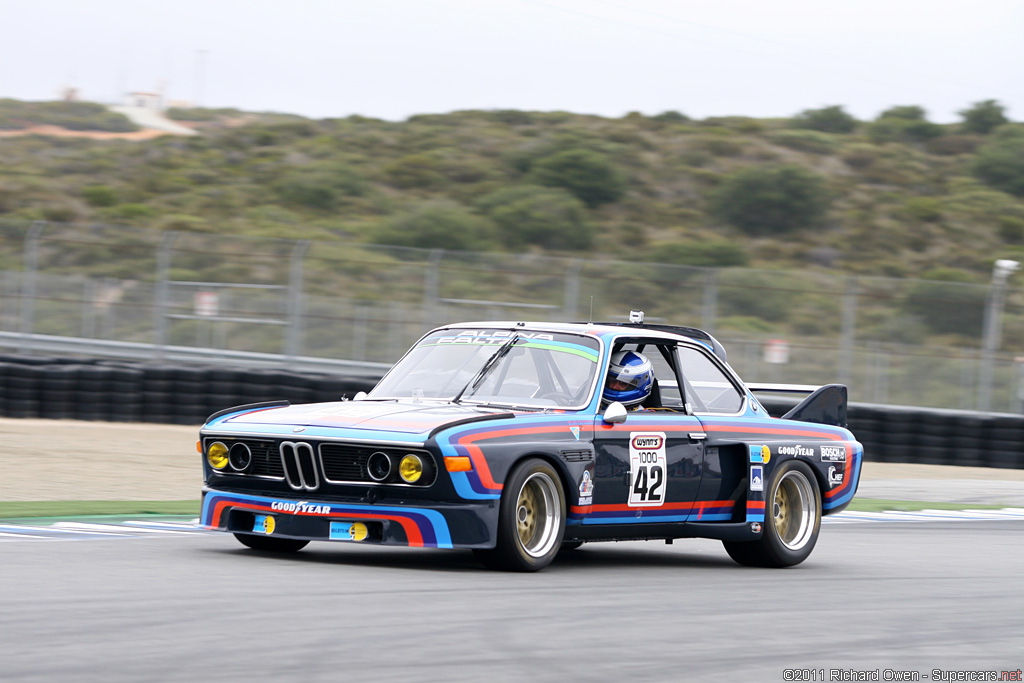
pixel 76 460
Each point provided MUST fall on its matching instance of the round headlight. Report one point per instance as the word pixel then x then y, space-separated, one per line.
pixel 378 466
pixel 411 468
pixel 239 456
pixel 217 455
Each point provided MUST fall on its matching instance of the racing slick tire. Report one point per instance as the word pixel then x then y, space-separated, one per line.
pixel 791 524
pixel 531 520
pixel 270 544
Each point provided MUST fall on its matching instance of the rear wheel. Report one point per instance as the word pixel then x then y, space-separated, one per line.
pixel 531 519
pixel 270 544
pixel 792 520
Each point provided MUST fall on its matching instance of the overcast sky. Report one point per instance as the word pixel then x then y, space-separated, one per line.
pixel 394 58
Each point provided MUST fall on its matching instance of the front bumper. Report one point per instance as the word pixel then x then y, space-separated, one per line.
pixel 469 525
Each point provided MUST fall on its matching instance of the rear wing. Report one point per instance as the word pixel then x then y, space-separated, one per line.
pixel 825 405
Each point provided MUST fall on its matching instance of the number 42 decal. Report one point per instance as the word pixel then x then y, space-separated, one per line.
pixel 647 469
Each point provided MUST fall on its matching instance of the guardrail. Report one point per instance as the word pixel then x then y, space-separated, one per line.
pixel 186 393
pixel 929 435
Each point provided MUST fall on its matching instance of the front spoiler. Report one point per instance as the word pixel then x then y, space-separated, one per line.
pixel 458 526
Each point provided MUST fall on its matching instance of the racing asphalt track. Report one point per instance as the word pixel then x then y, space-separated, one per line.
pixel 199 607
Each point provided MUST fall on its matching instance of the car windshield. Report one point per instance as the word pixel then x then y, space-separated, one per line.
pixel 532 370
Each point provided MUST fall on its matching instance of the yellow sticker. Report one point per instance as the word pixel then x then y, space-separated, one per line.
pixel 766 454
pixel 358 531
pixel 268 525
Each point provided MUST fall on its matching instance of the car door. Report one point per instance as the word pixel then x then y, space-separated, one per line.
pixel 648 468
pixel 711 392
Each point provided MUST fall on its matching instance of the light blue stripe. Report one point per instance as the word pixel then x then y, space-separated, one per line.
pixel 465 489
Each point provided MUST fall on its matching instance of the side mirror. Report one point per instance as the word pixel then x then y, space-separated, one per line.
pixel 615 413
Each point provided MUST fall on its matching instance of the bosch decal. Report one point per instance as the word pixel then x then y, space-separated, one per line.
pixel 647 469
pixel 833 454
pixel 263 524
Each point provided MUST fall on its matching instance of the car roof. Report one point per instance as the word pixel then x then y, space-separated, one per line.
pixel 671 332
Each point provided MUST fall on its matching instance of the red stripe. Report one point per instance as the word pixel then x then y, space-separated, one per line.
pixel 412 530
pixel 622 507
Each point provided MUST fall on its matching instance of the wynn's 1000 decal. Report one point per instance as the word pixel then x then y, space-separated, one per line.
pixel 647 468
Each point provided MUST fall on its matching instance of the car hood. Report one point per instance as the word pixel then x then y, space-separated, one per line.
pixel 386 416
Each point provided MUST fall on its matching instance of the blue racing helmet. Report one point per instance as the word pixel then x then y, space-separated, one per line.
pixel 630 378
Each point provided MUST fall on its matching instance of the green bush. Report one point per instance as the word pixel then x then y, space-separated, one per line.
pixel 923 209
pixel 199 114
pixel 320 188
pixel 984 117
pixel 903 124
pixel 947 302
pixel 717 253
pixel 414 171
pixel 588 175
pixel 670 116
pixel 99 195
pixel 1011 229
pixel 827 120
pixel 546 217
pixel 438 224
pixel 70 115
pixel 1000 163
pixel 773 200
pixel 806 141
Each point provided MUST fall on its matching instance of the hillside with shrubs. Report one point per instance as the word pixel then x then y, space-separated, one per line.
pixel 895 196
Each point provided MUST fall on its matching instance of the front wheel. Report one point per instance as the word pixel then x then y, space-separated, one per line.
pixel 792 520
pixel 270 544
pixel 531 519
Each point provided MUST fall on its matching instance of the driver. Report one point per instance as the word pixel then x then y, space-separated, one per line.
pixel 630 379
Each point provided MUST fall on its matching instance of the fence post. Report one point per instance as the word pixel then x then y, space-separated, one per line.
pixel 293 342
pixel 163 264
pixel 570 304
pixel 992 329
pixel 848 331
pixel 28 283
pixel 432 288
pixel 710 311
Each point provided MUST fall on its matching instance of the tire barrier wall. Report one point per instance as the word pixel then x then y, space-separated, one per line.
pixel 115 391
pixel 930 435
pixel 123 391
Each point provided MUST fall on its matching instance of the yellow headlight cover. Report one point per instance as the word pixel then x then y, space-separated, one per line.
pixel 217 455
pixel 411 468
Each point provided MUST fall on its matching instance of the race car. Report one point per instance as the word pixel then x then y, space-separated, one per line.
pixel 521 440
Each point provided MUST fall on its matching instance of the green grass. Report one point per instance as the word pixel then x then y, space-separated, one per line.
pixel 879 505
pixel 85 508
pixel 81 508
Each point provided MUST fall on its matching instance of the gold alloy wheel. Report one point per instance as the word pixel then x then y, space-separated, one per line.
pixel 793 510
pixel 538 514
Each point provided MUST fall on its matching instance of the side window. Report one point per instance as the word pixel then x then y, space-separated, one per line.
pixel 708 382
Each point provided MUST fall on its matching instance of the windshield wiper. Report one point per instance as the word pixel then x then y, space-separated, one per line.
pixel 475 381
